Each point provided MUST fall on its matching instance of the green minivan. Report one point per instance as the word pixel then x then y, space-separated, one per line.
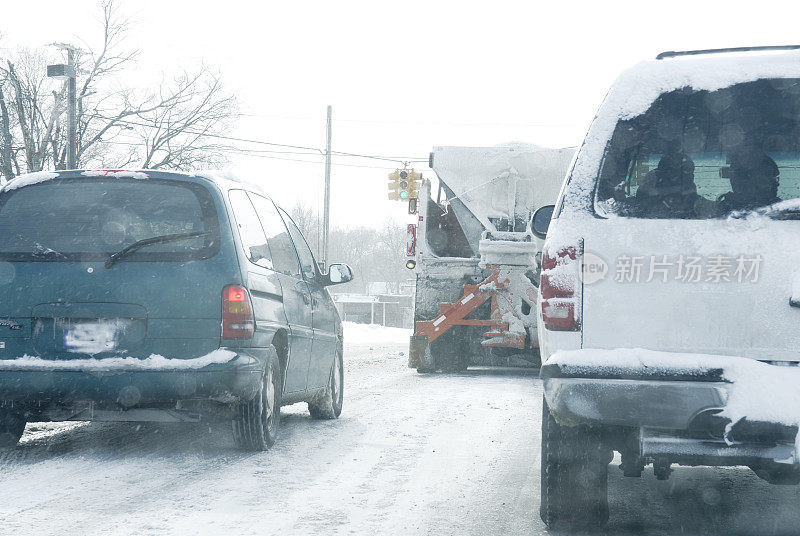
pixel 160 296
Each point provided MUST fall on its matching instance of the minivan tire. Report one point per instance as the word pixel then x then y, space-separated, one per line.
pixel 329 404
pixel 574 476
pixel 256 423
pixel 12 426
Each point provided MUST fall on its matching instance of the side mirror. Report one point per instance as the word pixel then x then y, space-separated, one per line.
pixel 339 273
pixel 541 220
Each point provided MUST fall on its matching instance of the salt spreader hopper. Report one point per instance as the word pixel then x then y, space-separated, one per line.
pixel 477 256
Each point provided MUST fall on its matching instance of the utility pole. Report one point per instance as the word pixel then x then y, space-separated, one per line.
pixel 72 154
pixel 68 72
pixel 327 209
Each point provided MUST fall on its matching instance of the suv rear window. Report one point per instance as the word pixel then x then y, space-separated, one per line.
pixel 89 219
pixel 706 154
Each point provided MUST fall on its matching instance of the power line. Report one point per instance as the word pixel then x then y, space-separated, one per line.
pixel 268 154
pixel 270 157
pixel 433 123
pixel 275 144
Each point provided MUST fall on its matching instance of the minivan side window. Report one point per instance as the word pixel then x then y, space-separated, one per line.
pixel 284 257
pixel 252 235
pixel 307 262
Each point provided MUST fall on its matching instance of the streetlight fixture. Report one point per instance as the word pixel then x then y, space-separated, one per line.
pixel 61 71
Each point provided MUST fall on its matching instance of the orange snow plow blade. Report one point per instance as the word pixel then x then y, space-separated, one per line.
pixel 493 287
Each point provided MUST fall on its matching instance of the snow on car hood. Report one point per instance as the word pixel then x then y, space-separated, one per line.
pixel 118 364
pixel 757 391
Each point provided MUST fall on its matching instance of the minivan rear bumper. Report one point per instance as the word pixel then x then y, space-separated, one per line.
pixel 238 378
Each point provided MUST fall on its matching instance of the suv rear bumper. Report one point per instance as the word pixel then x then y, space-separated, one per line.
pixel 238 378
pixel 663 404
pixel 684 408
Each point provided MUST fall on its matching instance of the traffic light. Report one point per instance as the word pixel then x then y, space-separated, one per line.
pixel 411 240
pixel 404 184
pixel 414 182
pixel 394 185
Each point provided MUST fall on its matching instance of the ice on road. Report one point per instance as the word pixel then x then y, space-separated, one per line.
pixel 411 454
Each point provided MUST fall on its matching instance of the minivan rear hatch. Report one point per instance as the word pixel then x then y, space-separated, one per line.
pixel 64 300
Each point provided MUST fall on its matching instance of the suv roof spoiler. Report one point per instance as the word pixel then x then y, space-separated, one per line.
pixel 674 54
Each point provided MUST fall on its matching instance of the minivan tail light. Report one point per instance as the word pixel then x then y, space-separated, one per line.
pixel 559 287
pixel 237 313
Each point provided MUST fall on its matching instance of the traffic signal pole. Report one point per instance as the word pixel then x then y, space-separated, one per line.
pixel 327 209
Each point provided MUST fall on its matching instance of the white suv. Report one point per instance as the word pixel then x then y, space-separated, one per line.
pixel 670 282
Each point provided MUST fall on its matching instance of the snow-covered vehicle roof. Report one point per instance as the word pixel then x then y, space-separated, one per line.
pixel 223 178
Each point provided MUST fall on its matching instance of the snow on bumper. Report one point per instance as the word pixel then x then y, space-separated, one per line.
pixel 117 364
pixel 645 388
pixel 222 375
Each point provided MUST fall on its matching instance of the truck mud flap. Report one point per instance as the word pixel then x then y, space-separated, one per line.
pixel 419 353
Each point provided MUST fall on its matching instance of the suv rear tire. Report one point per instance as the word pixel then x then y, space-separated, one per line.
pixel 329 404
pixel 12 426
pixel 255 426
pixel 574 487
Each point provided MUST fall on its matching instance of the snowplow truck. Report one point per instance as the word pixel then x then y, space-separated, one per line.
pixel 476 255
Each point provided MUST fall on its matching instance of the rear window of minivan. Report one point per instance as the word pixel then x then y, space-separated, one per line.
pixel 90 219
pixel 705 154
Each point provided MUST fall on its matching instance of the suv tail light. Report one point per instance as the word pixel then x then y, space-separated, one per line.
pixel 559 286
pixel 237 313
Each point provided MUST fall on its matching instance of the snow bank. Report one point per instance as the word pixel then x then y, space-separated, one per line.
pixel 757 391
pixel 117 364
pixel 365 334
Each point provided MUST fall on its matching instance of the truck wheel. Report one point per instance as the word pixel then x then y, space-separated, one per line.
pixel 12 425
pixel 574 490
pixel 255 426
pixel 329 405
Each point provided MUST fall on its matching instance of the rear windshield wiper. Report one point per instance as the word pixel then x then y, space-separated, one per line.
pixel 127 250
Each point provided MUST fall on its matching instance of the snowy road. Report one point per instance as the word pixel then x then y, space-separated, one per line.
pixel 411 454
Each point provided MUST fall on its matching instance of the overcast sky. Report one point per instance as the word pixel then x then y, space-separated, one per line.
pixel 401 76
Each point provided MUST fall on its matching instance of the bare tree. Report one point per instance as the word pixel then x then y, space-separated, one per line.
pixel 170 127
pixel 174 127
pixel 308 222
pixel 30 115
